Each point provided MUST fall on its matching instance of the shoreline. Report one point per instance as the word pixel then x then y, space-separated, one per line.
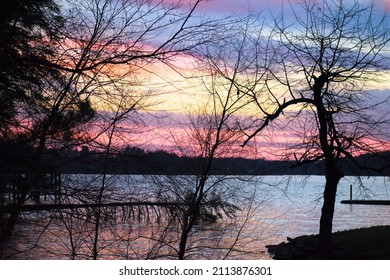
pixel 371 243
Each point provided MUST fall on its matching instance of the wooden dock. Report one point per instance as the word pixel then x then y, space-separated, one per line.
pixel 366 202
pixel 49 185
pixel 363 201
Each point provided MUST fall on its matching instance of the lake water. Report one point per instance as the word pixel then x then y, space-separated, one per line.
pixel 273 208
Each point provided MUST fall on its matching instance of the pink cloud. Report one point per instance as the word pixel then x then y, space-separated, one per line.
pixel 385 4
pixel 237 6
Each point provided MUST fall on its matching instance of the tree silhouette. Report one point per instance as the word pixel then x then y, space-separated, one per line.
pixel 68 66
pixel 23 26
pixel 310 73
pixel 27 30
pixel 322 64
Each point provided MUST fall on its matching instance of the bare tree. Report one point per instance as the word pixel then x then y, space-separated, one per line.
pixel 324 60
pixel 311 71
pixel 99 50
pixel 212 131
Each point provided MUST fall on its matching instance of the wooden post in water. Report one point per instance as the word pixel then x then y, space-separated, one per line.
pixel 350 192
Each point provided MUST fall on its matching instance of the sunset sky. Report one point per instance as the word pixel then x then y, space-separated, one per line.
pixel 166 121
pixel 224 7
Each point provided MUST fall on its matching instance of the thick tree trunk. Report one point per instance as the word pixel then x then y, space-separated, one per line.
pixel 333 173
pixel 333 176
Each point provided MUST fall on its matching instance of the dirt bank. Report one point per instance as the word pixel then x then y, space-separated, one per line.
pixel 359 244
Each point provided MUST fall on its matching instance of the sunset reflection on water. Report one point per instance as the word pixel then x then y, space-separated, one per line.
pixel 284 207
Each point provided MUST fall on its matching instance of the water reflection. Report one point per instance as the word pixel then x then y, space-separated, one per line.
pixel 281 207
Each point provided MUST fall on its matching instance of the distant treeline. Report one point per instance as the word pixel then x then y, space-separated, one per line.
pixel 134 160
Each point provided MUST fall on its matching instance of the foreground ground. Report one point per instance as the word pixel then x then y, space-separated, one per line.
pixel 360 244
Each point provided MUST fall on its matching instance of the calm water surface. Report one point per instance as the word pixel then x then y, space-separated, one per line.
pixel 280 207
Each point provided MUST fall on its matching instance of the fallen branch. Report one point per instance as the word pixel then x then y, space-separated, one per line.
pixel 48 207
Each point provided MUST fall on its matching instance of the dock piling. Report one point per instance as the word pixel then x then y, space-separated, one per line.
pixel 350 192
